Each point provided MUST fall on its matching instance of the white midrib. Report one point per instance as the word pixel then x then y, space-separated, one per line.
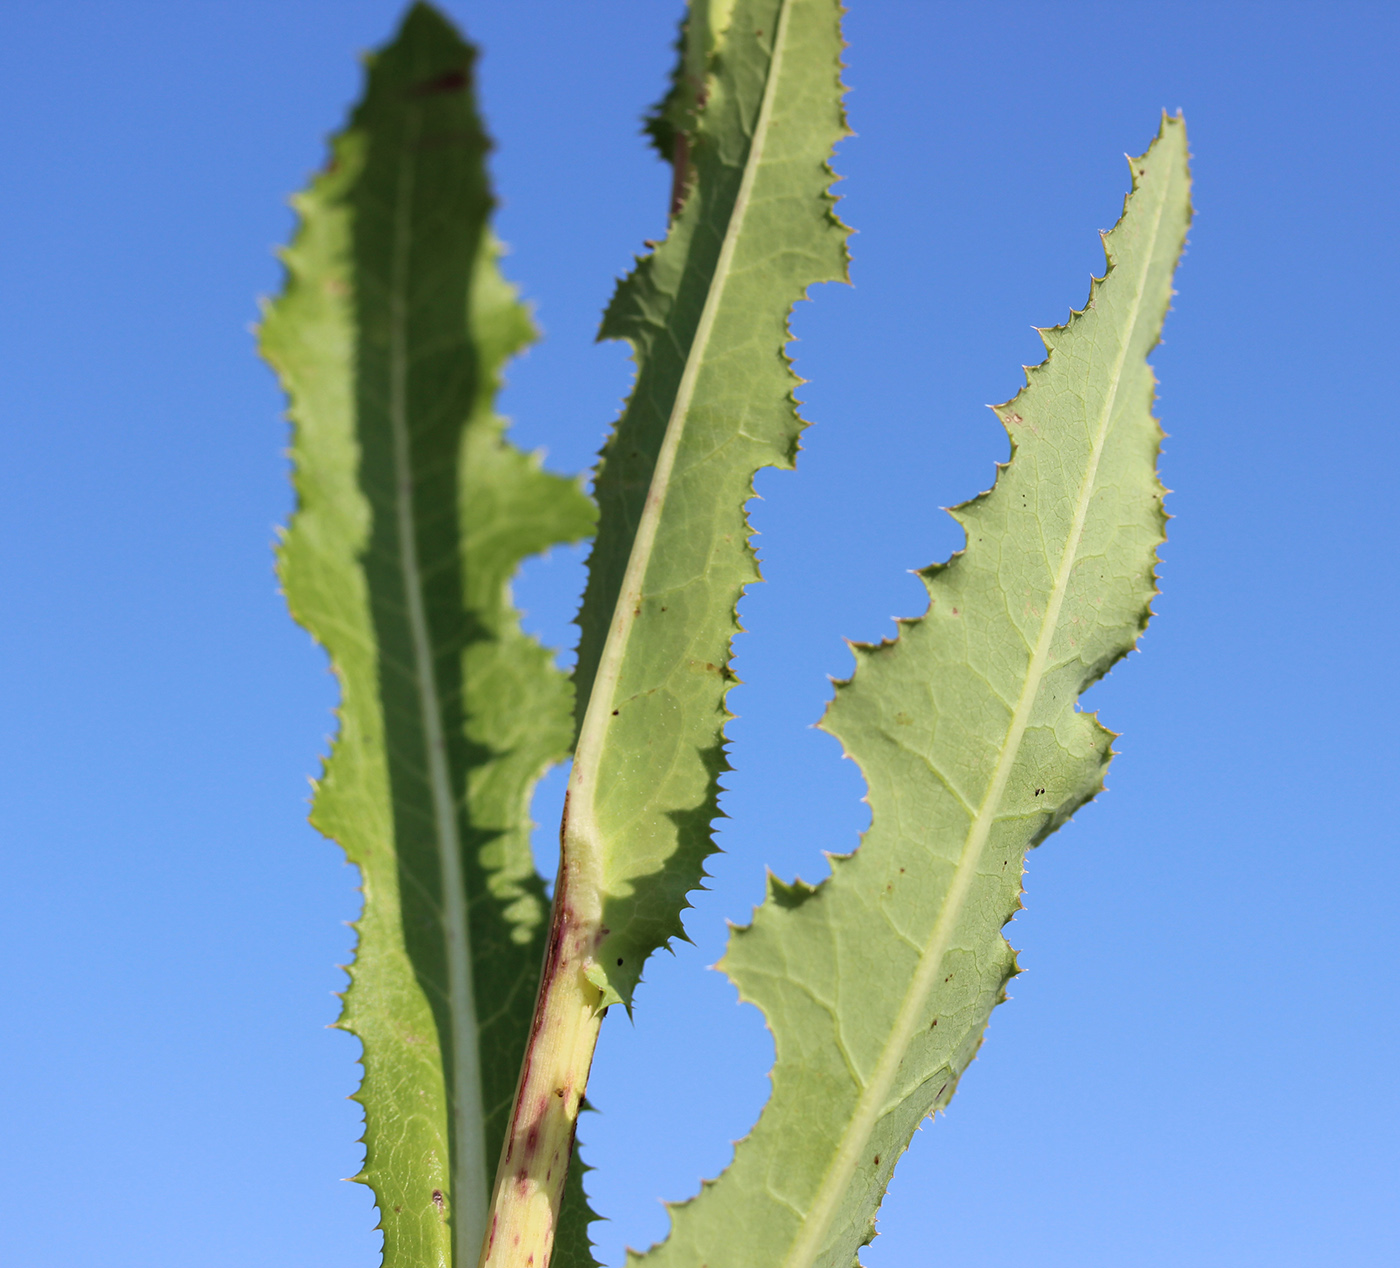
pixel 469 1176
pixel 813 1232
pixel 583 840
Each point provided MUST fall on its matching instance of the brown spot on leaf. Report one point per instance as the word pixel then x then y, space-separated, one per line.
pixel 448 81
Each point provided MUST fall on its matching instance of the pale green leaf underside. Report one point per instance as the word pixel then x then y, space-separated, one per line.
pixel 413 514
pixel 707 315
pixel 878 983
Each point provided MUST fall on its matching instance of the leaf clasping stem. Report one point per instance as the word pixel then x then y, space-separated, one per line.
pixel 569 1009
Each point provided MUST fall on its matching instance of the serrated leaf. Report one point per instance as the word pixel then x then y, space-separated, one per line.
pixel 878 983
pixel 706 315
pixel 413 514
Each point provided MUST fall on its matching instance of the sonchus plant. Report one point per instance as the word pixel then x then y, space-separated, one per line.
pixel 478 1008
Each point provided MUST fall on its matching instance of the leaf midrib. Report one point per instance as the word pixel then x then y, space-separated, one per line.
pixel 582 836
pixel 469 1177
pixel 871 1103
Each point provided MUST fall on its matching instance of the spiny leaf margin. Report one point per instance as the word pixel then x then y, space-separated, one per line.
pixel 664 750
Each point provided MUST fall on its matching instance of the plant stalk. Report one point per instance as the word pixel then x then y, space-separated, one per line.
pixel 539 1142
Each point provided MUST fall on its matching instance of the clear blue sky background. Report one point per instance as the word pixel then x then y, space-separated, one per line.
pixel 1198 1066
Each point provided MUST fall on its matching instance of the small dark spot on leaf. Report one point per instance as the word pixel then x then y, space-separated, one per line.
pixel 934 1023
pixel 437 1200
pixel 1039 791
pixel 955 611
pixel 619 961
pixel 614 713
pixel 448 81
pixel 877 1160
pixel 949 978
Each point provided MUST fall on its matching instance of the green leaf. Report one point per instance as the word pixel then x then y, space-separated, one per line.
pixel 706 315
pixel 413 514
pixel 878 983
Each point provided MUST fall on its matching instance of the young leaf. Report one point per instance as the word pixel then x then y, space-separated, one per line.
pixel 879 982
pixel 706 314
pixel 413 514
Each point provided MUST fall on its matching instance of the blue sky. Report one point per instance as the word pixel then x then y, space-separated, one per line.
pixel 1197 1064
